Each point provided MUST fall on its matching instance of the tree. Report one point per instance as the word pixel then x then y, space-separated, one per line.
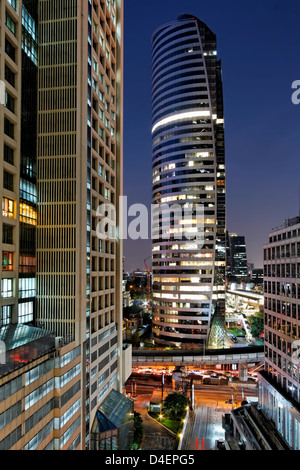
pixel 138 432
pixel 134 309
pixel 257 324
pixel 175 404
pixel 135 339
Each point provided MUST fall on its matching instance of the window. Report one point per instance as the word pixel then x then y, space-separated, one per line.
pixel 9 76
pixel 95 65
pixel 27 191
pixel 10 23
pixel 13 3
pixel 8 181
pixel 8 208
pixel 9 128
pixel 7 288
pixel 8 154
pixel 37 394
pixel 28 167
pixel 7 261
pixel 29 36
pixel 25 312
pixel 107 193
pixel 9 102
pixel 7 234
pixel 6 314
pixel 26 288
pixel 28 214
pixel 10 50
pixel 27 264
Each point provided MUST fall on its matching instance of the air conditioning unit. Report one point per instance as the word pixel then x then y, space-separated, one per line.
pixel 59 342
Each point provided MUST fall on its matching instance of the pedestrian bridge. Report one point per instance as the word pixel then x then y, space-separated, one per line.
pixel 206 357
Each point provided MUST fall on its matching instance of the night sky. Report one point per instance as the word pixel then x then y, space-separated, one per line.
pixel 258 42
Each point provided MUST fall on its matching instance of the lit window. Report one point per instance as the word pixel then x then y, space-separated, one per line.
pixel 7 288
pixel 6 313
pixel 13 3
pixel 7 261
pixel 28 214
pixel 27 264
pixel 25 312
pixel 27 191
pixel 8 208
pixel 26 288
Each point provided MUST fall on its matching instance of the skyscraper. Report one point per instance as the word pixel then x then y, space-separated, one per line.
pixel 279 383
pixel 236 264
pixel 62 137
pixel 188 171
pixel 18 162
pixel 79 276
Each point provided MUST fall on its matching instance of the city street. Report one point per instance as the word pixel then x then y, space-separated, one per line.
pixel 205 423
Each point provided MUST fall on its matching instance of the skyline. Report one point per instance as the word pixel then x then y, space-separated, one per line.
pixel 254 74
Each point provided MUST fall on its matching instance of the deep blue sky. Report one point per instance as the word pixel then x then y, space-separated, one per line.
pixel 259 45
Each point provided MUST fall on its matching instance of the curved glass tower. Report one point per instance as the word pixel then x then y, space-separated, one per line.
pixel 189 173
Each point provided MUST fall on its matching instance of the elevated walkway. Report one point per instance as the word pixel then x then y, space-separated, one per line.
pixel 200 357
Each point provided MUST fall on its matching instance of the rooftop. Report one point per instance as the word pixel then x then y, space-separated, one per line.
pixel 22 344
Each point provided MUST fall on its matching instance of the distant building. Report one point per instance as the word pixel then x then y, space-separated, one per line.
pixel 236 263
pixel 257 276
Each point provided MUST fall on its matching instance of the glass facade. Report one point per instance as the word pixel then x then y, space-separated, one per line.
pixel 188 176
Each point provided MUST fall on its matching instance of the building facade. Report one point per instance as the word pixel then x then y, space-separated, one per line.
pixel 280 380
pixel 236 263
pixel 188 176
pixel 62 64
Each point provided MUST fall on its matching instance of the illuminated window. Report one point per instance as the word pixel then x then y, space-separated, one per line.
pixel 13 3
pixel 26 288
pixel 7 288
pixel 25 312
pixel 27 264
pixel 8 208
pixel 6 313
pixel 7 261
pixel 27 191
pixel 28 214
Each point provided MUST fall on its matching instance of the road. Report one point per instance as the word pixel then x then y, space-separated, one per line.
pixel 205 423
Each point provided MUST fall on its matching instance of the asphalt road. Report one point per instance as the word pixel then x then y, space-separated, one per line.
pixel 205 422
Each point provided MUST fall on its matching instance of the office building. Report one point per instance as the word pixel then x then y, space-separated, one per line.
pixel 188 172
pixel 62 63
pixel 279 383
pixel 236 263
pixel 18 162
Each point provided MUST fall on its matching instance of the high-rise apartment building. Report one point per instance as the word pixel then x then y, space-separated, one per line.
pixel 62 62
pixel 189 172
pixel 236 263
pixel 279 383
